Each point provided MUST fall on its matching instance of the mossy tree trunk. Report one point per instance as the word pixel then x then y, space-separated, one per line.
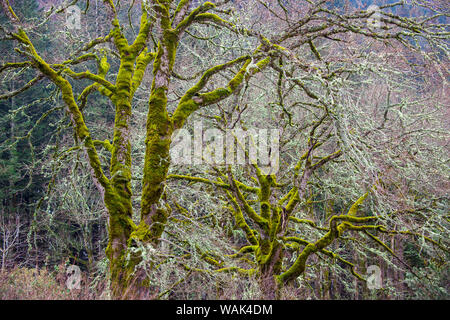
pixel 264 224
pixel 268 238
pixel 116 191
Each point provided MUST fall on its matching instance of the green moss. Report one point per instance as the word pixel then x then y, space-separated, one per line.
pixel 275 226
pixel 142 61
pixel 180 6
pixel 238 78
pixel 158 121
pixel 354 208
pixel 215 18
pixel 264 251
pixel 103 65
pixel 184 110
pixel 193 14
pixel 140 234
pixel 155 168
pixel 265 209
pixel 121 227
pixel 159 220
pixel 240 220
pixel 158 129
pixel 299 265
pixel 171 43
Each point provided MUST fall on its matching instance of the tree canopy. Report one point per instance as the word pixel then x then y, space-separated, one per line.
pixel 338 111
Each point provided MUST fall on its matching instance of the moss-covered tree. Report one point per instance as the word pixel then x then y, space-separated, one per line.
pixel 134 57
pixel 118 64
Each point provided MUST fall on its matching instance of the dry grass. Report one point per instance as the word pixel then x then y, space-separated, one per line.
pixel 23 283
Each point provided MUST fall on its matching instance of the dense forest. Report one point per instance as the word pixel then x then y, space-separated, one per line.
pixel 260 149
